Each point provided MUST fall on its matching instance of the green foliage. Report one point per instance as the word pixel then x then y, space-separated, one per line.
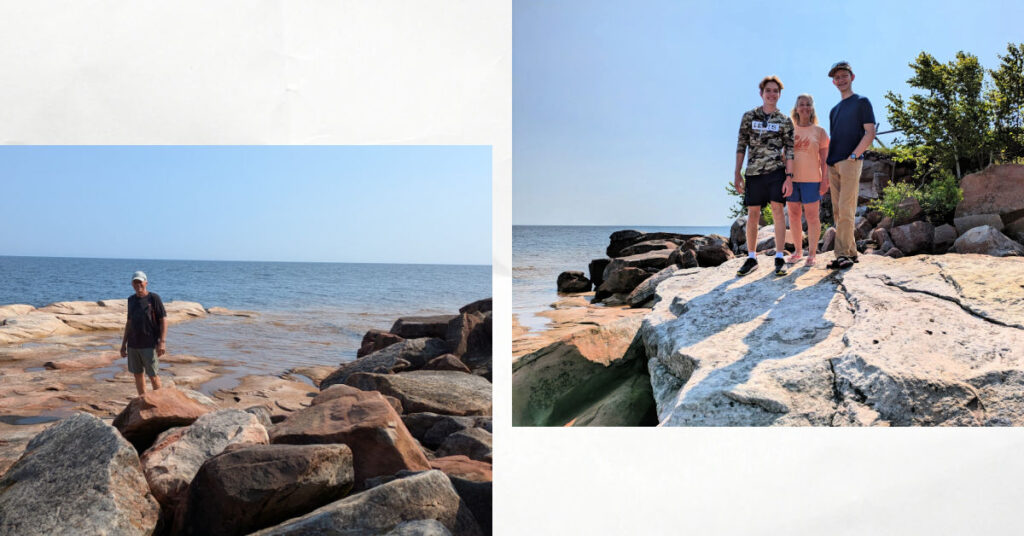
pixel 766 215
pixel 739 209
pixel 1007 98
pixel 939 198
pixel 892 196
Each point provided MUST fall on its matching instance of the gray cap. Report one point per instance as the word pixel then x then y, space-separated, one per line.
pixel 839 65
pixel 139 276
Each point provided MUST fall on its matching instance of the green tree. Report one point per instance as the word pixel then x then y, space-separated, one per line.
pixel 950 120
pixel 1007 98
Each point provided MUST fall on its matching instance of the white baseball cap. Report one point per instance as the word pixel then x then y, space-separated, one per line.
pixel 139 276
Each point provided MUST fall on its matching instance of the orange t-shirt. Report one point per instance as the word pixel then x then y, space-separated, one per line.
pixel 807 144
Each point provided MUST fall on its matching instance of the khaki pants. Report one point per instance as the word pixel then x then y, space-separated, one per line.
pixel 844 180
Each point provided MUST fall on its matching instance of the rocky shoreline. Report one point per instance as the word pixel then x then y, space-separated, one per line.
pixel 909 336
pixel 398 440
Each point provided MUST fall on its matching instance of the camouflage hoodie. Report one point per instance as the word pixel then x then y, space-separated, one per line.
pixel 766 135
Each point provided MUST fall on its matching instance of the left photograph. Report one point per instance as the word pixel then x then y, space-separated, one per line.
pixel 245 339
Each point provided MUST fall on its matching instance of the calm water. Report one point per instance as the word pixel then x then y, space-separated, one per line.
pixel 541 252
pixel 309 313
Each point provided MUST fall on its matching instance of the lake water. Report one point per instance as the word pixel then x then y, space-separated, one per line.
pixel 309 313
pixel 541 252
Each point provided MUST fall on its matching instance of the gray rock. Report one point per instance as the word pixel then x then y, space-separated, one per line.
pixel 472 442
pixel 410 353
pixel 657 259
pixel 714 252
pixel 480 306
pixel 645 290
pixel 986 240
pixel 944 237
pixel 738 233
pixel 78 475
pixel 419 327
pixel 423 527
pixel 423 496
pixel 829 240
pixel 926 340
pixel 436 391
pixel 572 281
pixel 913 238
pixel 908 211
pixel 684 258
pixel 645 246
pixel 431 429
pixel 621 281
pixel 966 223
pixel 249 488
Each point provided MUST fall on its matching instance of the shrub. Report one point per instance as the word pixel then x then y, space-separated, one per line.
pixel 939 198
pixel 892 196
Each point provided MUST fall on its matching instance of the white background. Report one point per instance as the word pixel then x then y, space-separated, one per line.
pixel 439 72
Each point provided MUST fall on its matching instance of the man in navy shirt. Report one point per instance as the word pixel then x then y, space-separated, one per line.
pixel 144 333
pixel 851 129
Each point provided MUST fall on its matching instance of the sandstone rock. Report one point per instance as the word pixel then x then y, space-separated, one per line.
pixel 572 281
pixel 85 362
pixel 245 489
pixel 551 386
pixel 994 190
pixel 34 325
pixel 913 238
pixel 894 253
pixel 480 306
pixel 410 353
pixel 221 311
pixel 861 228
pixel 423 496
pixel 155 411
pixel 77 476
pixel 472 442
pixel 418 327
pixel 376 339
pixel 645 290
pixel 363 420
pixel 966 223
pixel 596 270
pixel 431 429
pixel 172 462
pixel 447 362
pixel 469 334
pixel 908 211
pixel 951 351
pixel 944 237
pixel 986 240
pixel 684 258
pixel 829 240
pixel 1015 230
pixel 435 391
pixel 462 466
pixel 14 309
pixel 621 281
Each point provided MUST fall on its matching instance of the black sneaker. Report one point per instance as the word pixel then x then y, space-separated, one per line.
pixel 747 267
pixel 780 266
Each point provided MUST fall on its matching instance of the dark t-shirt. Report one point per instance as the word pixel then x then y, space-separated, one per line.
pixel 846 126
pixel 142 315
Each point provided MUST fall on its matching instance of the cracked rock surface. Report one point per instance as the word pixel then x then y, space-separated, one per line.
pixel 924 340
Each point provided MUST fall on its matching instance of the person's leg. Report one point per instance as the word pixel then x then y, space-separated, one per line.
pixel 834 188
pixel 796 231
pixel 753 220
pixel 140 383
pixel 155 380
pixel 813 229
pixel 849 179
pixel 778 212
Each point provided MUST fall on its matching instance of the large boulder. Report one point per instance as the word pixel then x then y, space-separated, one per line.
pixel 572 281
pixel 553 385
pixel 252 487
pixel 645 290
pixel 469 334
pixel 986 240
pixel 475 443
pixel 926 340
pixel 431 429
pixel 410 353
pixel 461 466
pixel 620 240
pixel 376 339
pixel 944 237
pixel 172 462
pixel 684 258
pixel 655 260
pixel 419 497
pixel 913 238
pixel 738 233
pixel 363 420
pixel 418 327
pixel 714 252
pixel 621 281
pixel 1015 229
pixel 907 211
pixel 480 306
pixel 152 412
pixel 436 391
pixel 645 246
pixel 78 476
pixel 966 223
pixel 596 270
pixel 994 190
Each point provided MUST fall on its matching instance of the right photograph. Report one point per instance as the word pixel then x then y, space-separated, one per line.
pixel 723 222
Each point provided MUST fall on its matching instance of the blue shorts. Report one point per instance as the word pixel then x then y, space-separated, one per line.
pixel 805 192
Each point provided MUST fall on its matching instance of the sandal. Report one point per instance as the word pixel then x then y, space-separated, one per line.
pixel 840 263
pixel 793 259
pixel 809 261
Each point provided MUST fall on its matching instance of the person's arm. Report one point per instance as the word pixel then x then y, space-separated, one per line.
pixel 161 345
pixel 124 338
pixel 742 141
pixel 787 139
pixel 823 158
pixel 737 180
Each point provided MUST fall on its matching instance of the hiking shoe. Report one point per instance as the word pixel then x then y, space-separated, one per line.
pixel 780 266
pixel 747 267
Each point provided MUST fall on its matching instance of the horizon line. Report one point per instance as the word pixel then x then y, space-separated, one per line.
pixel 241 260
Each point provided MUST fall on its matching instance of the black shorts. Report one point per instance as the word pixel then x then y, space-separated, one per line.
pixel 763 189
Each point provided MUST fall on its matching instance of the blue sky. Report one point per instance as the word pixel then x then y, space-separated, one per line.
pixel 625 113
pixel 395 204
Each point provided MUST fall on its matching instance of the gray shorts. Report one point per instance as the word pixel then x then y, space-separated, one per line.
pixel 143 358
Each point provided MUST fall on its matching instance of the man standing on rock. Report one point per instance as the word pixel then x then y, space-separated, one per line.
pixel 769 178
pixel 144 333
pixel 851 128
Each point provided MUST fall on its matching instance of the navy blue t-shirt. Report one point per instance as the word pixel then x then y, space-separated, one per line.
pixel 846 126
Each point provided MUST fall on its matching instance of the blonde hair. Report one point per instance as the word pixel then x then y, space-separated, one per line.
pixel 796 118
pixel 765 80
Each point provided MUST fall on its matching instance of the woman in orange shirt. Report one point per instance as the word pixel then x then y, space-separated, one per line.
pixel 809 168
